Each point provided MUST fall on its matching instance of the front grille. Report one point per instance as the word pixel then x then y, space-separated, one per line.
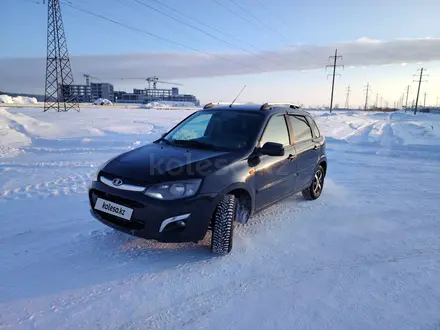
pixel 115 199
pixel 126 180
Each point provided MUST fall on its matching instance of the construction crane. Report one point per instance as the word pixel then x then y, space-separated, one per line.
pixel 88 77
pixel 153 80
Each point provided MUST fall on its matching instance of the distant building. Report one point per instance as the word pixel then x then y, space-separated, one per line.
pixel 155 95
pixel 102 91
pixel 89 93
pixel 83 92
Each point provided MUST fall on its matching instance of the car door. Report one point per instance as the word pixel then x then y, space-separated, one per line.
pixel 306 151
pixel 274 175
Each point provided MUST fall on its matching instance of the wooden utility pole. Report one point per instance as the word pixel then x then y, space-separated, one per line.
pixel 347 97
pixel 418 89
pixel 407 94
pixel 367 89
pixel 334 66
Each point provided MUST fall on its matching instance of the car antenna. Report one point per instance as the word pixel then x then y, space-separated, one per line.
pixel 230 105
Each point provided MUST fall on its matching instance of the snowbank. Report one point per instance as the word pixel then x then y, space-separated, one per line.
pixel 103 102
pixel 169 104
pixel 17 100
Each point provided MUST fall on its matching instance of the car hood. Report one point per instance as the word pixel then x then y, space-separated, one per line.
pixel 155 163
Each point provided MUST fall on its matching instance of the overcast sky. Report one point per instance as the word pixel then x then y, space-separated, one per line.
pixel 279 50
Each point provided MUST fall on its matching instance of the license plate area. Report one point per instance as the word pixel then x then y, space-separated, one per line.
pixel 114 209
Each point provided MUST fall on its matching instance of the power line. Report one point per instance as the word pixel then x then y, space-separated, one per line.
pixel 205 24
pixel 238 15
pixel 197 28
pixel 157 36
pixel 262 25
pixel 32 1
pixel 418 89
pixel 334 65
pixel 262 5
pixel 268 28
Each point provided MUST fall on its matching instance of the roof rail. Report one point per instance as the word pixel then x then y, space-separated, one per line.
pixel 271 105
pixel 212 105
pixel 209 105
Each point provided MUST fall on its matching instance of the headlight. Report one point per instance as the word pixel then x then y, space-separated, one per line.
pixel 174 190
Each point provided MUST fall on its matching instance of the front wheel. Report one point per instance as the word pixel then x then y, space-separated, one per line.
pixel 222 231
pixel 315 189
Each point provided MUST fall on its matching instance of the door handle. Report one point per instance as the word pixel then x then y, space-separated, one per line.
pixel 291 157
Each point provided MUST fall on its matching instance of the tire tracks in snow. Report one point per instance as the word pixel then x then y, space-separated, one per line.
pixel 72 184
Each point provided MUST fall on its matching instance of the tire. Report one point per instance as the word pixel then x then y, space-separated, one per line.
pixel 315 190
pixel 222 231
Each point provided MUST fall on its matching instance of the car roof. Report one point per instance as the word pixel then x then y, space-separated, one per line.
pixel 266 108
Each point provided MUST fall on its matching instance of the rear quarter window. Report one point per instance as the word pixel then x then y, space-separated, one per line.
pixel 315 129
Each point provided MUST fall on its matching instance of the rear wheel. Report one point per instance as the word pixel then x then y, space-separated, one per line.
pixel 222 231
pixel 315 189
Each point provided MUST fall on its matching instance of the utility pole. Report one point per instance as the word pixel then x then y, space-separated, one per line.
pixel 347 97
pixel 424 101
pixel 334 66
pixel 367 89
pixel 418 89
pixel 407 94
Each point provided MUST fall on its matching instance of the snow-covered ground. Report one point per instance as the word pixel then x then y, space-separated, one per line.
pixel 366 255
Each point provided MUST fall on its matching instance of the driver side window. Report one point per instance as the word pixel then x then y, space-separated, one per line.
pixel 276 131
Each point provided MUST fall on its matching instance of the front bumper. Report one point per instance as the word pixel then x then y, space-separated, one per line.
pixel 151 217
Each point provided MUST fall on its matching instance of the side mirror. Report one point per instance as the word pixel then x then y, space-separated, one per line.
pixel 272 149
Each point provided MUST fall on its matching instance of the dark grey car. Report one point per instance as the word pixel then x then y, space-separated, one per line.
pixel 219 165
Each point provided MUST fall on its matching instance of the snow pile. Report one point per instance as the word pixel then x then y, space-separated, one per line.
pixel 169 104
pixel 101 101
pixel 17 100
pixel 154 105
pixel 395 129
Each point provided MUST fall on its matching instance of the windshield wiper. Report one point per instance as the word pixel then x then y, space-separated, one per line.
pixel 162 139
pixel 196 144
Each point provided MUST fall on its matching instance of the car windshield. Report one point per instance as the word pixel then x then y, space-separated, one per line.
pixel 217 130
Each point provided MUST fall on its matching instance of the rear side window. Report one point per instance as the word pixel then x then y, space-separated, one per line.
pixel 301 129
pixel 315 129
pixel 276 131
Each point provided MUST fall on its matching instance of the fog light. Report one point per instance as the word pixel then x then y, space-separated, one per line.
pixel 181 224
pixel 176 221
